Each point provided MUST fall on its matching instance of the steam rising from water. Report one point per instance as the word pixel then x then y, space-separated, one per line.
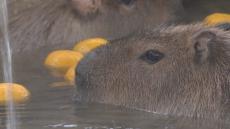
pixel 7 64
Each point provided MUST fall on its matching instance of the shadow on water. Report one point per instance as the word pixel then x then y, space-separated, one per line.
pixel 53 107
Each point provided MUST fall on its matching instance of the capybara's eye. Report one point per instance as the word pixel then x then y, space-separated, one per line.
pixel 152 56
pixel 127 2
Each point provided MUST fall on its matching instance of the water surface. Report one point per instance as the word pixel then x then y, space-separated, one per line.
pixel 54 107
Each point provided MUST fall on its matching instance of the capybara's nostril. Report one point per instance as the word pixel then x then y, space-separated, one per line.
pixel 86 7
pixel 87 47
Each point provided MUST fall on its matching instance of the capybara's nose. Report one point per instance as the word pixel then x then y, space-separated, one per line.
pixel 87 47
pixel 86 8
pixel 83 70
pixel 64 62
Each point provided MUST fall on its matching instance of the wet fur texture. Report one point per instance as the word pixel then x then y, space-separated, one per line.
pixel 191 80
pixel 56 24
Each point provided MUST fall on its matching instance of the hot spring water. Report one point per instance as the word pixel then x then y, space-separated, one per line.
pixel 52 108
pixel 7 64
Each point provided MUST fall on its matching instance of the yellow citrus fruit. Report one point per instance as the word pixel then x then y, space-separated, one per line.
pixel 60 61
pixel 19 93
pixel 70 75
pixel 217 18
pixel 88 45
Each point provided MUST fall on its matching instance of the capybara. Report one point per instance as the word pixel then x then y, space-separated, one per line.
pixel 178 70
pixel 61 23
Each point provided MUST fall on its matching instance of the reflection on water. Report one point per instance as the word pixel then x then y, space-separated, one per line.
pixel 53 107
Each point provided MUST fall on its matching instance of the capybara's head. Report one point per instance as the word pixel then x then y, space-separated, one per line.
pixel 160 8
pixel 181 70
pixel 61 23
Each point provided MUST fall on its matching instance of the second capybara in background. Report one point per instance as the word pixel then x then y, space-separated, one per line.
pixel 61 23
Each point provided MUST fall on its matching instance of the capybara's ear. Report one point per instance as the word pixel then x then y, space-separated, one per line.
pixel 202 45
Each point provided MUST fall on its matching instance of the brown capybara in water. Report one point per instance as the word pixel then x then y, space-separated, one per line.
pixel 61 23
pixel 181 70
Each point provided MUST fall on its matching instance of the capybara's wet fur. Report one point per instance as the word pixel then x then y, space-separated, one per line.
pixel 179 70
pixel 61 23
